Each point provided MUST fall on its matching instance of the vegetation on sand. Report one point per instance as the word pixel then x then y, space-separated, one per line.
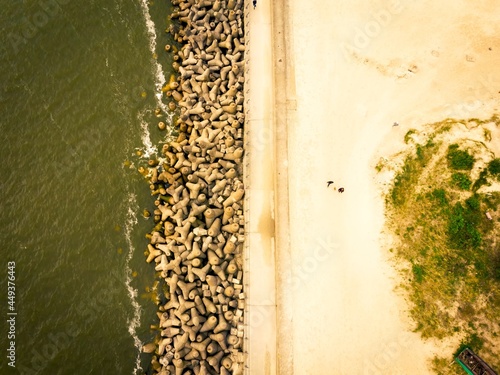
pixel 447 247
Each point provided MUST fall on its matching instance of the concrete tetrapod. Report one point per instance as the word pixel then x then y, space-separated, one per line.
pixel 197 240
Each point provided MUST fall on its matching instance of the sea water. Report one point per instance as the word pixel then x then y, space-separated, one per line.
pixel 79 85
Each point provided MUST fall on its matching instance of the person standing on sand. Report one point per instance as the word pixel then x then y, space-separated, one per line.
pixel 254 3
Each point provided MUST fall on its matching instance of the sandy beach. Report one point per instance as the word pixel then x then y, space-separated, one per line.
pixel 349 72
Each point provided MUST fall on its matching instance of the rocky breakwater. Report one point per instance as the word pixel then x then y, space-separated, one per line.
pixel 196 244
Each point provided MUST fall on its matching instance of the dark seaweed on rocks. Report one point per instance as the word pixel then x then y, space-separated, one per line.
pixel 197 242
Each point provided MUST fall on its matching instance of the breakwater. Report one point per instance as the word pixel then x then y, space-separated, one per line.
pixel 197 242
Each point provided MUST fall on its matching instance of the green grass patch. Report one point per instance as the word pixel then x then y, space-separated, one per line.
pixel 459 159
pixel 418 273
pixel 473 203
pixel 461 180
pixel 472 341
pixel 439 196
pixel 462 228
pixel 494 168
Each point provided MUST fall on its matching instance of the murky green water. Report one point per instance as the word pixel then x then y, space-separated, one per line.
pixel 77 92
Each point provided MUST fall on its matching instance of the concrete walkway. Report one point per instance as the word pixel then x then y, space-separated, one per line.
pixel 260 315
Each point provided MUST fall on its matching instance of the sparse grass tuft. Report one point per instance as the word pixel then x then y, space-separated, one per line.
pixel 481 181
pixel 487 135
pixel 402 183
pixel 408 135
pixel 407 178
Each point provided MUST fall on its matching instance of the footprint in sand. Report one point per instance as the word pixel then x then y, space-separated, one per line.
pixel 470 58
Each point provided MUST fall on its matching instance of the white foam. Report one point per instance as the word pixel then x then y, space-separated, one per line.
pixel 160 77
pixel 149 149
pixel 135 321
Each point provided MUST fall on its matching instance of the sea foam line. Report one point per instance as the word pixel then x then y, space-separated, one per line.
pixel 160 77
pixel 132 292
pixel 149 149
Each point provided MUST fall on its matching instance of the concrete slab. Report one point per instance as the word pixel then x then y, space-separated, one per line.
pixel 260 313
